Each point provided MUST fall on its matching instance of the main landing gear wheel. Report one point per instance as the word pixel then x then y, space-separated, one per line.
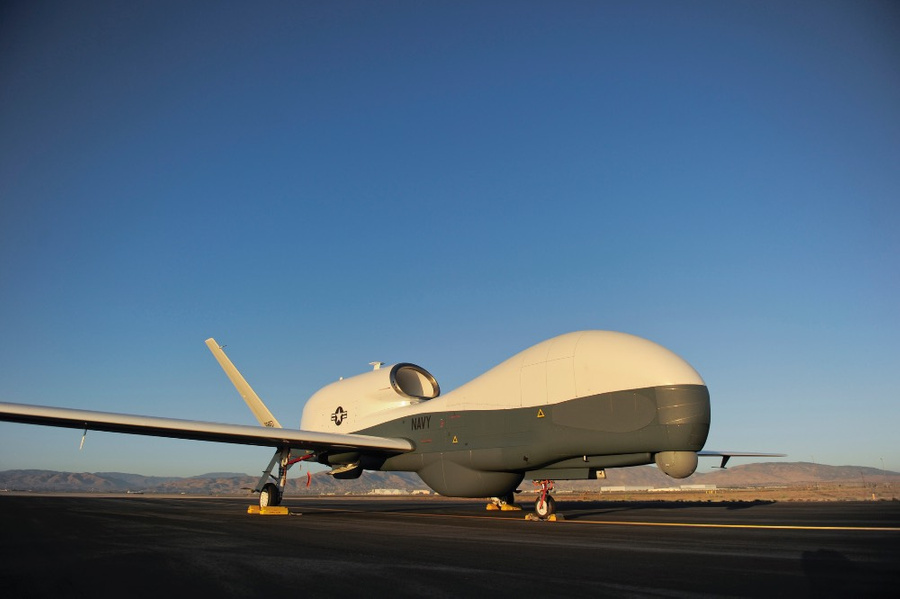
pixel 270 496
pixel 545 507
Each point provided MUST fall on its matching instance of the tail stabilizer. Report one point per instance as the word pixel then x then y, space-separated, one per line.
pixel 252 400
pixel 727 455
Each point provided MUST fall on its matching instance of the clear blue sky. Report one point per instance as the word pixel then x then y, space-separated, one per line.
pixel 323 184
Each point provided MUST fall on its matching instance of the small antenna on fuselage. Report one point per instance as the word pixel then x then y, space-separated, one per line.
pixel 376 365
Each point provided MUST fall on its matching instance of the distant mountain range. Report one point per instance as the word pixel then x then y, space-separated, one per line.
pixel 231 483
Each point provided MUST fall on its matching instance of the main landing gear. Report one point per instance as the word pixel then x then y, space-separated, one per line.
pixel 271 493
pixel 507 503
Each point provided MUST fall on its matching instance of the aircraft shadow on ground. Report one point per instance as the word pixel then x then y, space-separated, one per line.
pixel 374 507
pixel 574 510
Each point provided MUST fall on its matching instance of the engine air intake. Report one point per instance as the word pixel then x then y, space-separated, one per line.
pixel 414 381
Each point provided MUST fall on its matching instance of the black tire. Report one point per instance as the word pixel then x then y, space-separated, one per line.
pixel 269 496
pixel 545 508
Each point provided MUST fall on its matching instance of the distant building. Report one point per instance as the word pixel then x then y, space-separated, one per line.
pixel 639 489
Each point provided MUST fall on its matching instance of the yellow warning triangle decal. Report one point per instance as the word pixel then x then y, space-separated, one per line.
pixel 540 413
pixel 455 440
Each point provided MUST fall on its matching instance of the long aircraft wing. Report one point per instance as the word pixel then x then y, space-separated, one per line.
pixel 196 430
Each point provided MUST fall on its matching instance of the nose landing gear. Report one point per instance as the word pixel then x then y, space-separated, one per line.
pixel 545 506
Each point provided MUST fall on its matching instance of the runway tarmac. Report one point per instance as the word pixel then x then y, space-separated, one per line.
pixel 148 546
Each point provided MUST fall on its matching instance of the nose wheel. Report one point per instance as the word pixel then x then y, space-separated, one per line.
pixel 545 506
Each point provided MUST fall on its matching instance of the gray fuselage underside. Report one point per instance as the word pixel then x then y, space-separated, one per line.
pixel 478 453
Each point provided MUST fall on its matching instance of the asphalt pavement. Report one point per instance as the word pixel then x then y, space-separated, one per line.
pixel 149 546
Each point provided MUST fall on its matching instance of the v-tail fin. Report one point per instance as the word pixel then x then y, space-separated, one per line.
pixel 252 400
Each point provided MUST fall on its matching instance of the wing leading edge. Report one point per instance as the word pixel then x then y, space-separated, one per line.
pixel 199 431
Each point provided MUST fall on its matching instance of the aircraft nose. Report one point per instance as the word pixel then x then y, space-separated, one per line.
pixel 684 411
pixel 683 404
